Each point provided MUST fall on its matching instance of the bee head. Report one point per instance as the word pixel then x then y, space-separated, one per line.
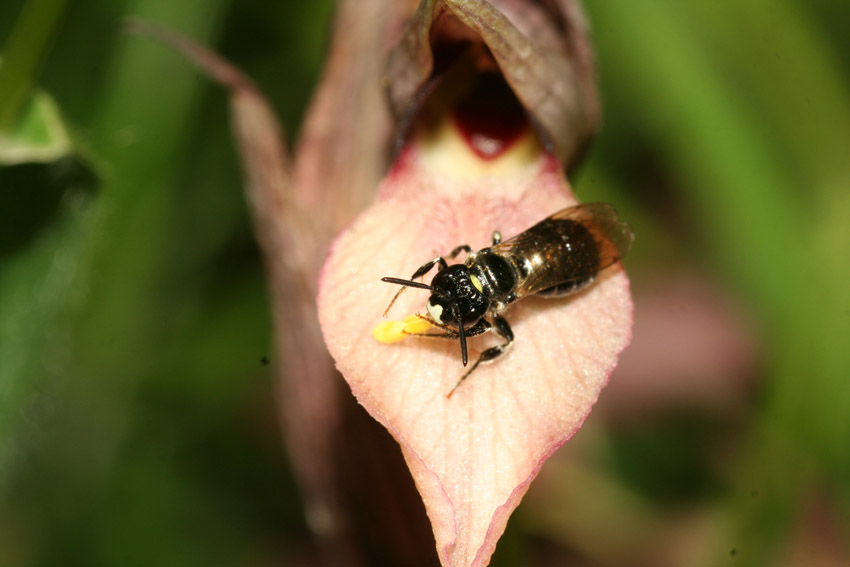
pixel 456 296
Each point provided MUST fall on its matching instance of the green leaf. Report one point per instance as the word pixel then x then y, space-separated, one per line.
pixel 40 134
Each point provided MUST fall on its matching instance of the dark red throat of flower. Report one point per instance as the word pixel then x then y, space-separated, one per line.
pixel 489 117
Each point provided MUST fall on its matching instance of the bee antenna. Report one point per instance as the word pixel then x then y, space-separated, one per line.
pixel 407 283
pixel 404 285
pixel 462 336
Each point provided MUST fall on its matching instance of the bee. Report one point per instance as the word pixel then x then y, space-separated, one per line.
pixel 557 257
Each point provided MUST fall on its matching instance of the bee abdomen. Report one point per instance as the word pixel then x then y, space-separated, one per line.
pixel 567 288
pixel 573 258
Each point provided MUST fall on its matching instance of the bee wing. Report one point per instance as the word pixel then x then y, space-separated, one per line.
pixel 613 236
pixel 554 253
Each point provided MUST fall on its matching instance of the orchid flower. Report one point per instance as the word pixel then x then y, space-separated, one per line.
pixel 494 101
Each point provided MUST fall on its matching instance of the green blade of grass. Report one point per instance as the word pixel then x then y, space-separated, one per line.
pixel 767 196
pixel 23 54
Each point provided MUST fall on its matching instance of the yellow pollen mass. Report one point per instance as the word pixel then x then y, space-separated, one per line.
pixel 477 283
pixel 395 331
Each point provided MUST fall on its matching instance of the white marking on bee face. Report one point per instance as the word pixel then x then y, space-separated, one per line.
pixel 477 283
pixel 435 311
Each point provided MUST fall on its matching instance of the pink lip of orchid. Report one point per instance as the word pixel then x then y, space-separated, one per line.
pixel 472 456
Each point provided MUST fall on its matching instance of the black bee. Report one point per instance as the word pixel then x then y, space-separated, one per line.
pixel 556 257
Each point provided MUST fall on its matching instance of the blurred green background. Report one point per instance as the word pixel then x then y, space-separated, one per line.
pixel 137 424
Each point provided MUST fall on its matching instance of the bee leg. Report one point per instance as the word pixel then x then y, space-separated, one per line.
pixel 426 267
pixel 500 326
pixel 462 248
pixel 479 328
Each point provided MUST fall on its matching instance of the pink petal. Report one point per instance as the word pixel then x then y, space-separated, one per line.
pixel 474 455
